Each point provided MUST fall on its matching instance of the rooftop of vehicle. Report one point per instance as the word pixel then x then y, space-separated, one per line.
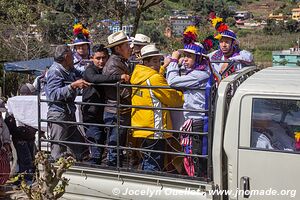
pixel 273 80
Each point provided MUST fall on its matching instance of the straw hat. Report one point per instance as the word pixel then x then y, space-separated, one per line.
pixel 78 41
pixel 149 51
pixel 116 39
pixel 140 39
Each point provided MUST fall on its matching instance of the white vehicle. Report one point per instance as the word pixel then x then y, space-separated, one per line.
pixel 253 153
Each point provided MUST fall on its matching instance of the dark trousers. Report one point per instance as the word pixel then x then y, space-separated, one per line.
pixel 200 148
pixel 153 161
pixel 96 135
pixel 25 151
pixel 65 132
pixel 113 134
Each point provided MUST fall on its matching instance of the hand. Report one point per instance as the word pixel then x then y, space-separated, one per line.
pixel 176 55
pixel 80 84
pixel 125 78
pixel 181 60
pixel 167 61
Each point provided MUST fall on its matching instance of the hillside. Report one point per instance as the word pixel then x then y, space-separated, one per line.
pixel 260 43
pixel 263 8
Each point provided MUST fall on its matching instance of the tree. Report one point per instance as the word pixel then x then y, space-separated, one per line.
pixel 154 31
pixel 230 21
pixel 20 38
pixel 56 27
pixel 50 184
pixel 274 28
pixel 292 26
pixel 142 6
pixel 204 7
pixel 19 33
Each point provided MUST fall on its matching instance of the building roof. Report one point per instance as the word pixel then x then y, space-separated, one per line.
pixel 180 17
pixel 273 80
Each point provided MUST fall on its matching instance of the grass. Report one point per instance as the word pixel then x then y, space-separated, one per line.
pixel 262 45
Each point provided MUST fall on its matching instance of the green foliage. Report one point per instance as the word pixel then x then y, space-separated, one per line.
pixel 292 26
pixel 78 8
pixel 155 31
pixel 275 28
pixel 203 8
pixel 262 55
pixel 204 32
pixel 19 38
pixel 283 62
pixel 18 11
pixel 230 21
pixel 57 27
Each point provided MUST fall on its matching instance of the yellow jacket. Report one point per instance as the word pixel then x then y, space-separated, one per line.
pixel 158 98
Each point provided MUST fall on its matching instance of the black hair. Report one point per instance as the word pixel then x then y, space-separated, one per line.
pixel 99 48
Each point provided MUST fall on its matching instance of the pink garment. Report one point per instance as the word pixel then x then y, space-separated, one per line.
pixel 186 143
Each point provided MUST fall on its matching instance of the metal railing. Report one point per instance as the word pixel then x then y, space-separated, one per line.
pixel 118 105
pixel 119 126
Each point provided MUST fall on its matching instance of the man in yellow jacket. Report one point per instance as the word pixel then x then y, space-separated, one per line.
pixel 147 74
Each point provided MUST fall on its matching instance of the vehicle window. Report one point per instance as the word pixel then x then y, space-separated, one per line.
pixel 276 124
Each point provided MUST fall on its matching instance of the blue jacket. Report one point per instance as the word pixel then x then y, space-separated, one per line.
pixel 58 90
pixel 193 98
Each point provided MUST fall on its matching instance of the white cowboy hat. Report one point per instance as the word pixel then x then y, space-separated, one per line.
pixel 149 50
pixel 78 43
pixel 140 39
pixel 116 39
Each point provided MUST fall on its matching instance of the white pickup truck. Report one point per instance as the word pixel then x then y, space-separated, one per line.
pixel 254 150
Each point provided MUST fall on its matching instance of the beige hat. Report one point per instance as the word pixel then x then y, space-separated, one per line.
pixel 116 39
pixel 141 39
pixel 149 51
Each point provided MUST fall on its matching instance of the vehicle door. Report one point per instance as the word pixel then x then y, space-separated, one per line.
pixel 269 148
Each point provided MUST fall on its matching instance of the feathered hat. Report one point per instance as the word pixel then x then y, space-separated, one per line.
pixel 209 43
pixel 81 34
pixel 222 28
pixel 189 40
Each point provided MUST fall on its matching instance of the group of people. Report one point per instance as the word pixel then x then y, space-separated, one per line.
pixel 80 70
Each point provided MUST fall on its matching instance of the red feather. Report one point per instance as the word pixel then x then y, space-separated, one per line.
pixel 77 31
pixel 190 35
pixel 222 27
pixel 209 43
pixel 211 15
